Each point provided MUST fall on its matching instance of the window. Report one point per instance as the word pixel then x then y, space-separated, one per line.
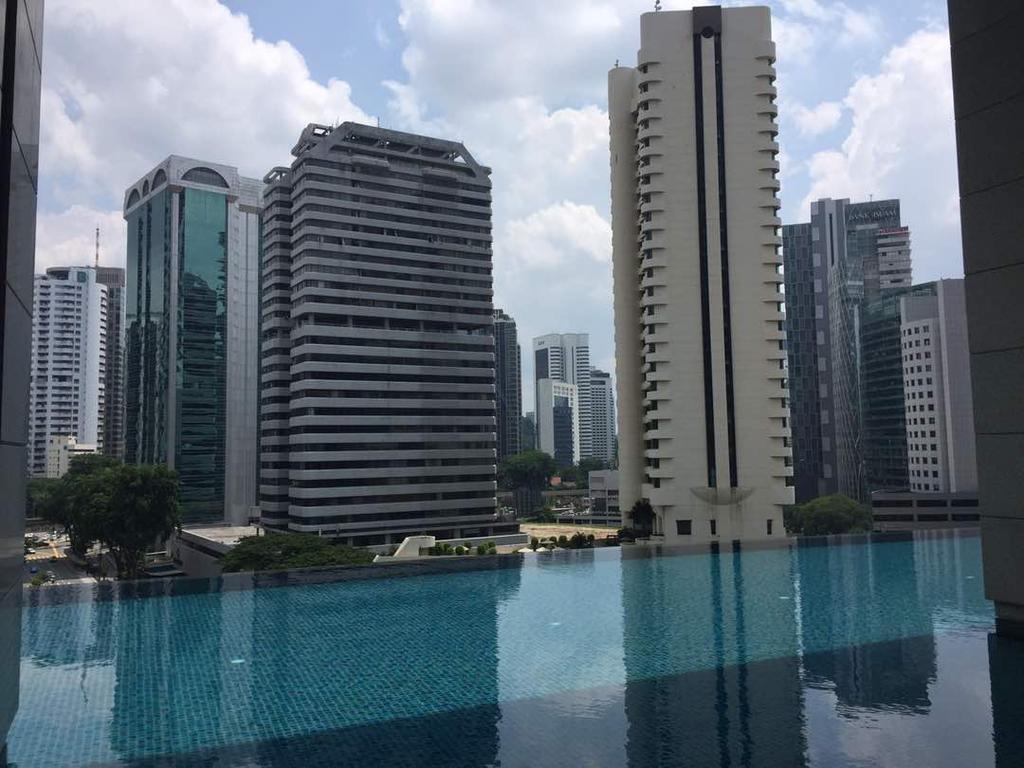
pixel 714 527
pixel 769 521
pixel 684 527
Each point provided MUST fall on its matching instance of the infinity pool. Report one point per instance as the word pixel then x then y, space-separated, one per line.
pixel 851 654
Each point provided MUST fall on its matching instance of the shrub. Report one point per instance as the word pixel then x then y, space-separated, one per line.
pixel 38 580
pixel 460 550
pixel 277 551
pixel 563 541
pixel 534 543
pixel 481 549
pixel 829 515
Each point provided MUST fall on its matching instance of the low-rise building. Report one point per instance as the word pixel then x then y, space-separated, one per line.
pixel 61 450
pixel 911 511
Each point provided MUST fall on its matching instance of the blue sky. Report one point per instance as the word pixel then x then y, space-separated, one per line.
pixel 865 108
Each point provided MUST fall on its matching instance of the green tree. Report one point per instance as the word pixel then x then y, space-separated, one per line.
pixel 278 551
pixel 38 494
pixel 827 515
pixel 528 473
pixel 76 501
pixel 642 515
pixel 584 468
pixel 141 511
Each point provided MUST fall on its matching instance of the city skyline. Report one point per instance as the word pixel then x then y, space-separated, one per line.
pixel 551 210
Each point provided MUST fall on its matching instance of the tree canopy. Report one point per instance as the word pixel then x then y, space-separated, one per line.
pixel 279 551
pixel 529 469
pixel 827 515
pixel 125 507
pixel 642 515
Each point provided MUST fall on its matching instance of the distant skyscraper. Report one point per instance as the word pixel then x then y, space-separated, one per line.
pixel 528 431
pixel 881 419
pixel 700 357
pixel 192 332
pixel 602 416
pixel 848 255
pixel 69 360
pixel 937 390
pixel 113 384
pixel 377 411
pixel 566 357
pixel 558 421
pixel 507 384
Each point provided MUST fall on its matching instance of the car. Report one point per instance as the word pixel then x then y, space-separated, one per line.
pixel 29 551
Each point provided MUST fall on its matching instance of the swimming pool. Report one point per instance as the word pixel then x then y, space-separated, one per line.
pixel 856 653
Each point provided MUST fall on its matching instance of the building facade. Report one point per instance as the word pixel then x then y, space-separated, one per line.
pixel 558 421
pixel 69 361
pixel 60 452
pixel 508 385
pixel 21 52
pixel 377 410
pixel 881 415
pixel 566 357
pixel 699 337
pixel 848 255
pixel 938 399
pixel 192 330
pixel 602 416
pixel 113 382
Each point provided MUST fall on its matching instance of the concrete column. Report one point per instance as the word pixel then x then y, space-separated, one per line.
pixel 988 89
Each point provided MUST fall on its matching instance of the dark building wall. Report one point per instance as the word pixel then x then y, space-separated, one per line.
pixel 802 350
pixel 113 380
pixel 988 91
pixel 508 384
pixel 21 29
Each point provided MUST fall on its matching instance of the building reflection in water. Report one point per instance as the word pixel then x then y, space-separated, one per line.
pixel 809 656
pixel 729 709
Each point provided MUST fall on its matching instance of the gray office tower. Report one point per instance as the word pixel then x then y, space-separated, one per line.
pixel 377 401
pixel 21 29
pixel 192 333
pixel 508 385
pixel 848 255
pixel 113 377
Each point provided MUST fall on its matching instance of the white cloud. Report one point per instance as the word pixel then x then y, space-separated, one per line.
pixel 561 235
pixel 68 238
pixel 902 144
pixel 127 83
pixel 814 121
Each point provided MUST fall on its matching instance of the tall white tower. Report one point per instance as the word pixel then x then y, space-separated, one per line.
pixel 700 347
pixel 69 358
pixel 566 357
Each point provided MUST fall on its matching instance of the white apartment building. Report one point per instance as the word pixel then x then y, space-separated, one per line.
pixel 62 450
pixel 700 353
pixel 558 421
pixel 602 416
pixel 566 357
pixel 68 365
pixel 937 391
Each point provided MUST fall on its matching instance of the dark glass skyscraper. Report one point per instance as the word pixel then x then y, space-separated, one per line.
pixel 192 330
pixel 508 384
pixel 848 255
pixel 21 30
pixel 113 390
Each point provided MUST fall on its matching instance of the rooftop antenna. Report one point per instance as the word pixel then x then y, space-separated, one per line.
pixel 97 247
pixel 657 5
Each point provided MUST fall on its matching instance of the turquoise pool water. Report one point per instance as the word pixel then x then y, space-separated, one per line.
pixel 842 655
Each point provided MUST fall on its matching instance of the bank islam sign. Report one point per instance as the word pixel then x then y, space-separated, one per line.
pixel 869 214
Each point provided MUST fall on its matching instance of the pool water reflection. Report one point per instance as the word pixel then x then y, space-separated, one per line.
pixel 843 655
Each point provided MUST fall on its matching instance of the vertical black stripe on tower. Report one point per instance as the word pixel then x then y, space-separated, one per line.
pixel 723 221
pixel 702 246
